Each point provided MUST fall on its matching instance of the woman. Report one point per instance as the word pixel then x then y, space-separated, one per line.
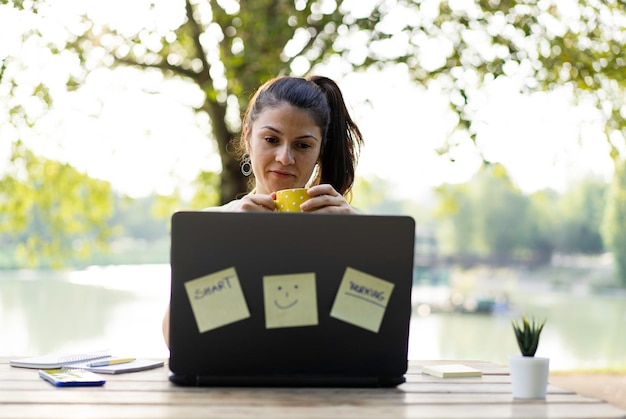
pixel 297 132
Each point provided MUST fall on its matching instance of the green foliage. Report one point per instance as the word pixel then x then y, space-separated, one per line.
pixel 207 185
pixel 371 195
pixel 137 219
pixel 137 235
pixel 226 49
pixel 252 41
pixel 486 215
pixel 67 209
pixel 456 211
pixel 507 207
pixel 527 334
pixel 542 233
pixel 614 226
pixel 581 211
pixel 490 219
pixel 577 46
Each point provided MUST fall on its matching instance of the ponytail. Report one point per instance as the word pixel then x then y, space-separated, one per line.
pixel 342 142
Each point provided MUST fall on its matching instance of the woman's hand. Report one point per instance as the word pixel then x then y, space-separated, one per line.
pixel 254 202
pixel 325 199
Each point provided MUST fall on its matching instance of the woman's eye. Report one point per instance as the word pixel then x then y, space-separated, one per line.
pixel 270 139
pixel 304 145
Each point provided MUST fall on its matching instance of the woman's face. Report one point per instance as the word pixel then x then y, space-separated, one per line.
pixel 284 144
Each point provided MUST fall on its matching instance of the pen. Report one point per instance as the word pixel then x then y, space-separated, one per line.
pixel 111 362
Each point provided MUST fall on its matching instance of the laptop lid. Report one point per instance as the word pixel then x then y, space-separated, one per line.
pixel 290 299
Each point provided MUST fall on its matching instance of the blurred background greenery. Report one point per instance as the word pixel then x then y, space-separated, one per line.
pixel 53 212
pixel 499 125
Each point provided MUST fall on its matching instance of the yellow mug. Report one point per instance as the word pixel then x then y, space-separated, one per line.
pixel 289 200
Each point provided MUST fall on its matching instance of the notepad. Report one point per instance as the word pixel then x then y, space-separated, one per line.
pixel 134 366
pixel 59 360
pixel 71 377
pixel 451 370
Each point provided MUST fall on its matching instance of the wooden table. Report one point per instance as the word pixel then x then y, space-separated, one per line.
pixel 148 394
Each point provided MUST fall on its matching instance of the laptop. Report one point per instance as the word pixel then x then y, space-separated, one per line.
pixel 286 299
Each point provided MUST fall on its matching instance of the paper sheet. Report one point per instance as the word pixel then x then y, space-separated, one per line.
pixel 290 300
pixel 217 300
pixel 362 299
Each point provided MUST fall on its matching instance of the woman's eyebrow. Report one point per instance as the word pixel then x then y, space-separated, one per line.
pixel 277 131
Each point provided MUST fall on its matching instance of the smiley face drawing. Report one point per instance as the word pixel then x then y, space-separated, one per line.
pixel 290 300
pixel 287 295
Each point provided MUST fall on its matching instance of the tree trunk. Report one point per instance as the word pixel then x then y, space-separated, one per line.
pixel 233 182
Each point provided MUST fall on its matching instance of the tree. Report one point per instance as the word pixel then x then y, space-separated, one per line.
pixel 501 214
pixel 487 217
pixel 614 226
pixel 47 225
pixel 226 48
pixel 457 231
pixel 576 46
pixel 541 230
pixel 581 210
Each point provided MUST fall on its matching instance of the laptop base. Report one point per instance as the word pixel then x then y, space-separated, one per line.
pixel 284 381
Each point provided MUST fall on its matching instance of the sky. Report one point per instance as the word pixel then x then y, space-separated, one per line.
pixel 151 142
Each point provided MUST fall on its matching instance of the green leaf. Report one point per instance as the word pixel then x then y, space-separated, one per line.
pixel 527 334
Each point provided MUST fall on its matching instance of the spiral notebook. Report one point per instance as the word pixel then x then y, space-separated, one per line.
pixel 59 360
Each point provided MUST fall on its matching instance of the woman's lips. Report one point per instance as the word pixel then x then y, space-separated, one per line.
pixel 281 173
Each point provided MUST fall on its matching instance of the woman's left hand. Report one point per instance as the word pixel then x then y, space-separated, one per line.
pixel 325 199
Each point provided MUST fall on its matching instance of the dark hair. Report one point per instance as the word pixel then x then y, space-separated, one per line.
pixel 322 99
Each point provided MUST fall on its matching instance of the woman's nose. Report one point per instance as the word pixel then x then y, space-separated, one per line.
pixel 284 155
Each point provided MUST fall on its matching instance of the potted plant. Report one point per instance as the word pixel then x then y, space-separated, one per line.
pixel 529 374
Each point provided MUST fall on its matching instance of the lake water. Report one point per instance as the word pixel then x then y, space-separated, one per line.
pixel 121 307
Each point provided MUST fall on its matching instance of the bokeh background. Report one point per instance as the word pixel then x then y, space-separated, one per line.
pixel 498 125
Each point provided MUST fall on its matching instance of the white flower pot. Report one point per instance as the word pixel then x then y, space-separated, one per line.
pixel 529 376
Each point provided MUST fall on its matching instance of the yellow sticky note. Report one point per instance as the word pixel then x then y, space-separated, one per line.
pixel 362 299
pixel 290 300
pixel 217 300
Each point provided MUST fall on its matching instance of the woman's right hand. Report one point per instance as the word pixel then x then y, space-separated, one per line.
pixel 255 203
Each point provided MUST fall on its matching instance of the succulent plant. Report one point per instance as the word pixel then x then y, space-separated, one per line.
pixel 527 334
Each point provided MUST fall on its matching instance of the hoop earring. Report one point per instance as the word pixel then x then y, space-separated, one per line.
pixel 246 165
